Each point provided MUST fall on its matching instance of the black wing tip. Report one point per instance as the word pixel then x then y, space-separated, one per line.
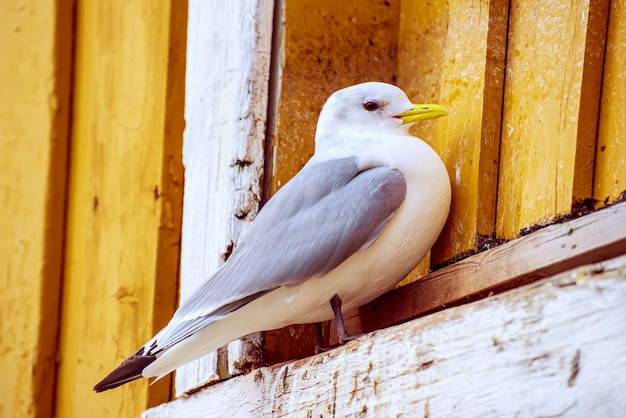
pixel 107 383
pixel 129 370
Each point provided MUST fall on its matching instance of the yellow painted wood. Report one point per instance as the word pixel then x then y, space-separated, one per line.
pixel 421 42
pixel 35 39
pixel 124 207
pixel 554 66
pixel 452 53
pixel 328 45
pixel 418 70
pixel 439 47
pixel 610 168
pixel 421 32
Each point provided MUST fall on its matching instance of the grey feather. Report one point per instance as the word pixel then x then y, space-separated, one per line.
pixel 329 211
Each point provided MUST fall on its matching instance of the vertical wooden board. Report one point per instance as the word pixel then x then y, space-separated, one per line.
pixel 422 30
pixel 550 109
pixel 124 206
pixel 36 39
pixel 227 83
pixel 590 100
pixel 610 168
pixel 423 27
pixel 323 46
pixel 459 48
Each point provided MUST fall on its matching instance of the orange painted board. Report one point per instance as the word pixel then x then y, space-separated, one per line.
pixel 325 45
pixel 552 90
pixel 452 53
pixel 610 167
pixel 36 39
pixel 125 199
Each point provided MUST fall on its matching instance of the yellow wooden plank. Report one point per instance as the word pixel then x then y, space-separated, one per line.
pixel 124 206
pixel 554 65
pixel 421 34
pixel 327 45
pixel 36 39
pixel 610 169
pixel 453 53
pixel 421 31
pixel 421 42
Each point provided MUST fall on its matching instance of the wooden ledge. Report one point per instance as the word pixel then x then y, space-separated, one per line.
pixel 552 347
pixel 556 248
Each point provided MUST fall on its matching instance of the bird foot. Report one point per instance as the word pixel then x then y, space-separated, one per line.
pixel 342 335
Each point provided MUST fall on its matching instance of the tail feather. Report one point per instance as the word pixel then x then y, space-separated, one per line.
pixel 129 370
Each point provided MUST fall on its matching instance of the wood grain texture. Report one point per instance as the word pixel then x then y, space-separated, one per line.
pixel 452 53
pixel 421 36
pixel 546 252
pixel 610 167
pixel 125 199
pixel 553 73
pixel 325 45
pixel 521 353
pixel 36 40
pixel 226 106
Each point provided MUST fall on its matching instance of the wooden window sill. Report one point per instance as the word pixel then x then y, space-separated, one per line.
pixel 557 346
pixel 556 248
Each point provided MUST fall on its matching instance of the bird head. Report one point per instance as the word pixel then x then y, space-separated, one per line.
pixel 372 108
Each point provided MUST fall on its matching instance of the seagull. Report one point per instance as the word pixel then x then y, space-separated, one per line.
pixel 356 219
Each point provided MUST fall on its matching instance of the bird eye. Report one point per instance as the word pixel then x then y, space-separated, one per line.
pixel 370 106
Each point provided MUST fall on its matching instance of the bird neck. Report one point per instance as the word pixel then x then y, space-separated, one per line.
pixel 371 149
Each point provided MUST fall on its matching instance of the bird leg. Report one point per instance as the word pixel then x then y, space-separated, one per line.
pixel 342 335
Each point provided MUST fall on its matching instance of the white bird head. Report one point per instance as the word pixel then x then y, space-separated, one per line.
pixel 372 108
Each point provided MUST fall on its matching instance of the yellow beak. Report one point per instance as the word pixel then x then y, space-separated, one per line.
pixel 422 112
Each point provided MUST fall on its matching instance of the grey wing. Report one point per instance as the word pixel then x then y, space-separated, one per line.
pixel 329 211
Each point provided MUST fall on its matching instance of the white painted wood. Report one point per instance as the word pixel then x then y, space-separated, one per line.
pixel 228 50
pixel 553 348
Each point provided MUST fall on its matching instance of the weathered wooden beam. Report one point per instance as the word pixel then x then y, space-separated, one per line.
pixel 125 198
pixel 526 352
pixel 610 168
pixel 225 110
pixel 36 39
pixel 551 102
pixel 556 248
